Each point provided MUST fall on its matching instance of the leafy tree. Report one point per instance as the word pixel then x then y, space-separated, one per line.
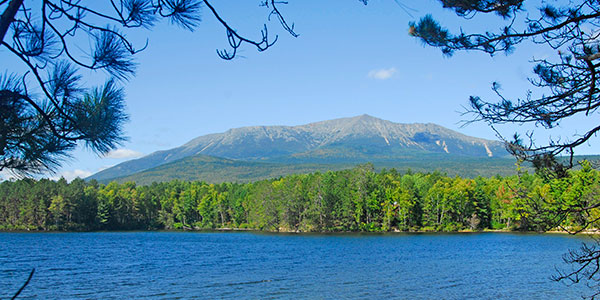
pixel 46 109
pixel 315 211
pixel 481 218
pixel 336 199
pixel 207 206
pixel 59 209
pixel 237 197
pixel 363 195
pixel 149 205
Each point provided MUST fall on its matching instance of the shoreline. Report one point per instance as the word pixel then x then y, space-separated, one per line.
pixel 227 229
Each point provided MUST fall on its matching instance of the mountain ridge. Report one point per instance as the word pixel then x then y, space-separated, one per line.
pixel 353 139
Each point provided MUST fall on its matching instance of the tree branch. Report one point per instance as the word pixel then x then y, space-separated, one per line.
pixel 24 285
pixel 8 16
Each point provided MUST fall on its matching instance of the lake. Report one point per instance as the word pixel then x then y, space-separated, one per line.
pixel 234 265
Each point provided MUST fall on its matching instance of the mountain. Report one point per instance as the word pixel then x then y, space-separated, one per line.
pixel 344 141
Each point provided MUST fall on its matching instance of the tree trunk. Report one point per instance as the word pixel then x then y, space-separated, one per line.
pixel 222 216
pixel 321 211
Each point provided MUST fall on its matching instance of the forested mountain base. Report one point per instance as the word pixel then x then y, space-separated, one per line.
pixel 358 199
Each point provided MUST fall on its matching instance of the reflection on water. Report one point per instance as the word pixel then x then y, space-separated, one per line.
pixel 167 265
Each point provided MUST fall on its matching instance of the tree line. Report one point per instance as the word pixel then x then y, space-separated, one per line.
pixel 357 199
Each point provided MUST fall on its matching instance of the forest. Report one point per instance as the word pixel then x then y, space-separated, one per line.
pixel 357 199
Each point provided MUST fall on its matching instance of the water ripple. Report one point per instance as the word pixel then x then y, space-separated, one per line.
pixel 162 265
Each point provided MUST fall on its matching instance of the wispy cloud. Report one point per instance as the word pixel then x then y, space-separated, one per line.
pixel 124 153
pixel 72 174
pixel 382 74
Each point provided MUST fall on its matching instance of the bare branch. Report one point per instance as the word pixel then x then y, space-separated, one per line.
pixel 24 285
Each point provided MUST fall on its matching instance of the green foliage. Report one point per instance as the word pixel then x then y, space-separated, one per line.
pixel 359 199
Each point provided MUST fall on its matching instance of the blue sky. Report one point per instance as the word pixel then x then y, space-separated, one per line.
pixel 349 59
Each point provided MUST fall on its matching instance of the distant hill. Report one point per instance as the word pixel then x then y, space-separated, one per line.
pixel 215 170
pixel 333 144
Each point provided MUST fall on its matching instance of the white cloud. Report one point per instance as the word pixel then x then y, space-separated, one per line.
pixel 7 175
pixel 124 153
pixel 70 175
pixel 382 74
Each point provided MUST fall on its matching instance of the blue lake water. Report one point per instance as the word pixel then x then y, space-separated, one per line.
pixel 171 265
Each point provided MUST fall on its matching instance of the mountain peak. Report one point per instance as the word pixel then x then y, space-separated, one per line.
pixel 366 117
